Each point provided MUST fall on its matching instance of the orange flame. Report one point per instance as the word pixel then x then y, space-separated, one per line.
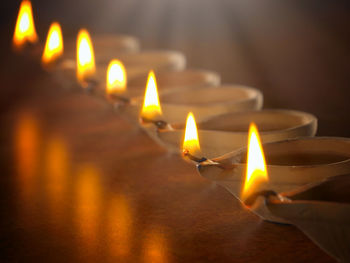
pixel 116 77
pixel 54 44
pixel 191 142
pixel 85 56
pixel 256 172
pixel 25 29
pixel 151 107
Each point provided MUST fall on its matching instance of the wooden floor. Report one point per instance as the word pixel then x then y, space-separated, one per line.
pixel 81 184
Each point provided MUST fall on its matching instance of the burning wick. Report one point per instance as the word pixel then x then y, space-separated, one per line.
pixel 191 142
pixel 86 68
pixel 269 195
pixel 25 29
pixel 116 83
pixel 151 110
pixel 191 146
pixel 256 172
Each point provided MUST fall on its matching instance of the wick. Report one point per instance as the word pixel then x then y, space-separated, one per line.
pixel 90 85
pixel 160 124
pixel 118 100
pixel 269 195
pixel 186 153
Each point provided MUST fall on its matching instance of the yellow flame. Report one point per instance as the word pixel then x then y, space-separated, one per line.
pixel 85 56
pixel 191 142
pixel 54 44
pixel 25 29
pixel 151 106
pixel 116 77
pixel 256 172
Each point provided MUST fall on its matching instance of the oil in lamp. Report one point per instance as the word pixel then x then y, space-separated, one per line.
pixel 25 34
pixel 53 50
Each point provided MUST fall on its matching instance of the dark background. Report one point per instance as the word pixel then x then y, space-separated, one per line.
pixel 296 52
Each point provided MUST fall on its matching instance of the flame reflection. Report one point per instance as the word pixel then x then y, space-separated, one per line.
pixel 155 247
pixel 88 205
pixel 56 176
pixel 119 223
pixel 27 143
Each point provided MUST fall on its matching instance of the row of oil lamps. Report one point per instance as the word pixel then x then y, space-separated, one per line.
pixel 306 180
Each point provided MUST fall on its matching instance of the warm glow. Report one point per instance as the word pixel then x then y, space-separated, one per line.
pixel 119 224
pixel 256 172
pixel 191 142
pixel 27 141
pixel 85 56
pixel 54 44
pixel 55 176
pixel 116 77
pixel 151 106
pixel 156 246
pixel 88 197
pixel 25 29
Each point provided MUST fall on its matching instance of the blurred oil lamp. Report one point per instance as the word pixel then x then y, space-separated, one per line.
pixel 227 132
pixel 140 63
pixel 54 46
pixel 106 47
pixel 171 80
pixel 25 34
pixel 85 67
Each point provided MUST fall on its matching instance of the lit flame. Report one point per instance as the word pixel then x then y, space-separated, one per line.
pixel 256 172
pixel 116 77
pixel 151 106
pixel 85 56
pixel 25 29
pixel 54 44
pixel 191 142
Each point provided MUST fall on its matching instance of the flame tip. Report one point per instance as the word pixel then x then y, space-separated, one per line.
pixel 116 79
pixel 191 141
pixel 151 106
pixel 85 56
pixel 54 44
pixel 25 29
pixel 256 172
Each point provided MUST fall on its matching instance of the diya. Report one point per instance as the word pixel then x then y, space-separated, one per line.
pixel 228 132
pixel 290 164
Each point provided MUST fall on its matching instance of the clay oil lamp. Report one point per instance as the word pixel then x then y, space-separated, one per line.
pixel 228 132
